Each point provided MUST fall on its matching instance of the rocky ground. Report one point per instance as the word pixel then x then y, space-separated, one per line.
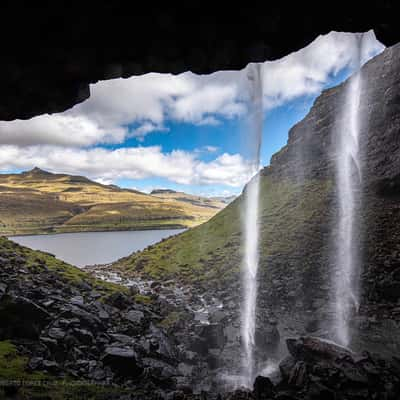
pixel 65 324
pixel 87 339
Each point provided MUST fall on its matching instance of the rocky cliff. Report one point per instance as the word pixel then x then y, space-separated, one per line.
pixel 299 212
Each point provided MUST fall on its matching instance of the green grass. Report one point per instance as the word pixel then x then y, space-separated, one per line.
pixel 141 298
pixel 170 320
pixel 213 251
pixel 13 365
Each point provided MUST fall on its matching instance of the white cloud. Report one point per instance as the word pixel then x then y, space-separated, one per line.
pixel 206 149
pixel 107 166
pixel 134 107
pixel 149 100
pixel 146 128
pixel 306 71
pixel 60 129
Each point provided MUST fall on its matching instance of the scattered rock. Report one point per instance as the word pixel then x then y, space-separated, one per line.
pixel 122 361
pixel 135 316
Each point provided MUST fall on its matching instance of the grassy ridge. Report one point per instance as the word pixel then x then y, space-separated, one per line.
pixel 41 202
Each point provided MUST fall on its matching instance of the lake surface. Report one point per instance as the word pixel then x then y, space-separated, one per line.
pixel 88 248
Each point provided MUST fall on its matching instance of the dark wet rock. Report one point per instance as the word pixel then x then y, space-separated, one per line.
pixel 185 369
pixel 218 316
pixel 21 318
pixel 159 369
pixel 321 369
pixel 87 319
pixel 122 361
pixel 389 289
pixel 212 334
pixel 298 375
pixel 118 337
pixel 161 344
pixel 77 301
pixel 35 363
pixel 56 333
pixel 118 300
pixel 240 394
pixel 50 366
pixel 198 345
pixel 263 388
pixel 50 343
pixel 84 336
pixel 314 349
pixel 135 316
pixel 267 337
pixel 3 289
pixel 286 366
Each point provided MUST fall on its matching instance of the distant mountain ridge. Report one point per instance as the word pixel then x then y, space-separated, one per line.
pixel 200 201
pixel 38 201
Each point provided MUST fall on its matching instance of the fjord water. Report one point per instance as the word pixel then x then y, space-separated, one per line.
pixel 348 173
pixel 89 248
pixel 251 229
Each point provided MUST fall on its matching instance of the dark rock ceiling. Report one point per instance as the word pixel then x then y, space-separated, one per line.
pixel 53 50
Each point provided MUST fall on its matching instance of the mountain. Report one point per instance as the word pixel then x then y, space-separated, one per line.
pixel 298 221
pixel 200 201
pixel 224 199
pixel 38 201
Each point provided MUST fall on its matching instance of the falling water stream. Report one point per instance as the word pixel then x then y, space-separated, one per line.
pixel 250 224
pixel 348 169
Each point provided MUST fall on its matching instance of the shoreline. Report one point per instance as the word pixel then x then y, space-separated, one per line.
pixel 144 229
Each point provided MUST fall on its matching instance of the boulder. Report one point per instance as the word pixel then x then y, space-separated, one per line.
pixel 313 349
pixel 320 369
pixel 83 336
pixel 135 316
pixel 56 333
pixel 119 300
pixel 263 388
pixel 122 361
pixel 87 319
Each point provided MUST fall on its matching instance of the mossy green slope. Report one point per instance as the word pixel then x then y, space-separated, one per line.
pixel 213 250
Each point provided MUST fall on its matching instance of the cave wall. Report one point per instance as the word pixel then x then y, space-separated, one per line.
pixel 52 51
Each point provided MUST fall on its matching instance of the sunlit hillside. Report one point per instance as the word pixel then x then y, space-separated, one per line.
pixel 37 201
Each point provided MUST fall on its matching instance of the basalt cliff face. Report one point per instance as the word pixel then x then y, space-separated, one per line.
pixel 298 222
pixel 298 280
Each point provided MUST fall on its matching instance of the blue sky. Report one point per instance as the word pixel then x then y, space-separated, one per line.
pixel 185 132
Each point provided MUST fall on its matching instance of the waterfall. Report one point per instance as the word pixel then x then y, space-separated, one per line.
pixel 348 170
pixel 250 225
